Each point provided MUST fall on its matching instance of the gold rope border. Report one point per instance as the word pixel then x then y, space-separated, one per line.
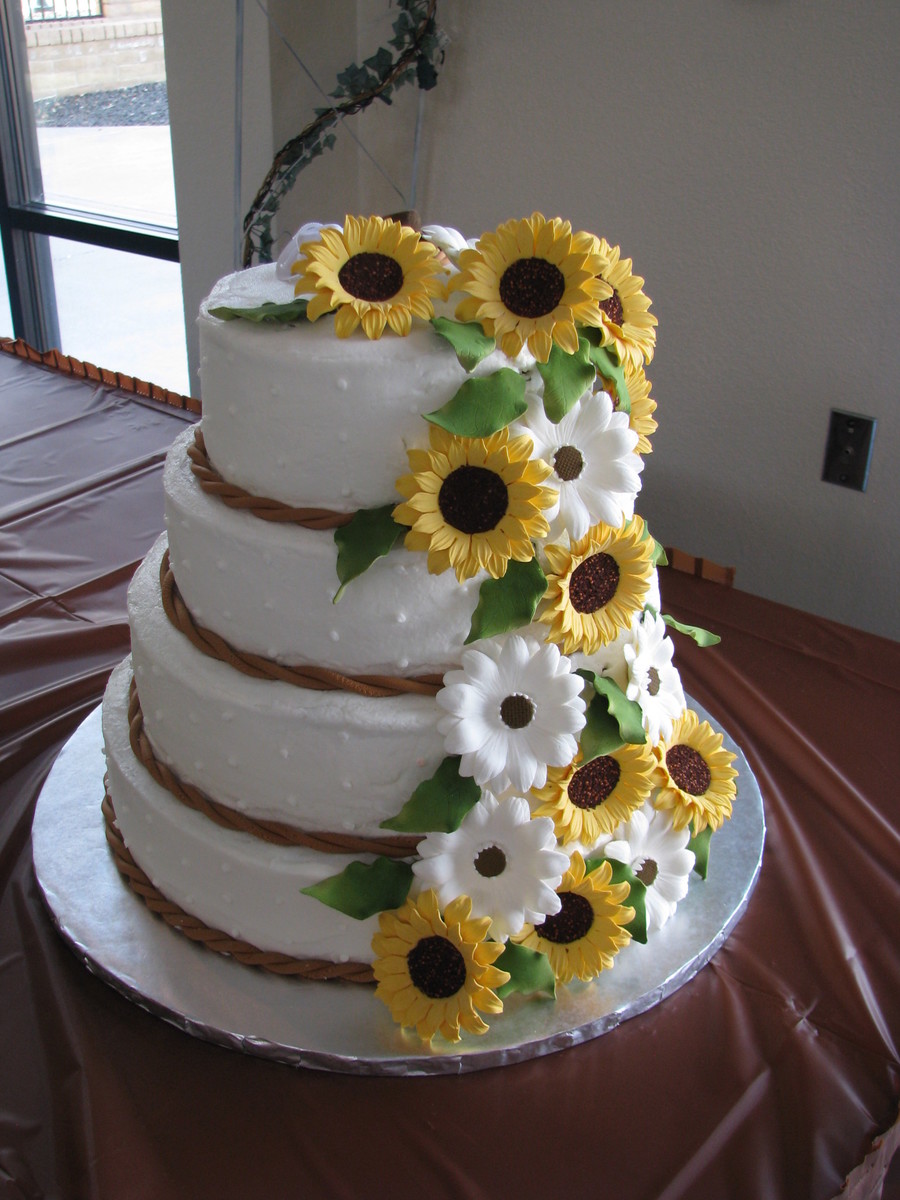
pixel 260 506
pixel 258 667
pixel 214 939
pixel 275 833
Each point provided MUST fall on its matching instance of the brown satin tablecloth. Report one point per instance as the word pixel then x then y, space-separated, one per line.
pixel 773 1073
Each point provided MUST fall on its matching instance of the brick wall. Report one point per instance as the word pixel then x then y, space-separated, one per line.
pixel 119 49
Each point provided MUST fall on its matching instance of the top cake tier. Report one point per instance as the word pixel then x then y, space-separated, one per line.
pixel 295 414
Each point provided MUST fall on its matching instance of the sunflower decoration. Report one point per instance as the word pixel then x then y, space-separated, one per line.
pixel 373 272
pixel 640 420
pixel 531 282
pixel 588 800
pixel 695 775
pixel 627 322
pixel 474 503
pixel 582 939
pixel 434 971
pixel 596 585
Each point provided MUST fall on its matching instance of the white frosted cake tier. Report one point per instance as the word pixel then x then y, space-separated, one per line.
pixel 299 415
pixel 322 760
pixel 268 587
pixel 235 882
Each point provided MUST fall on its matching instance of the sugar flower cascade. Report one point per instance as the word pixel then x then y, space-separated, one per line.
pixel 578 792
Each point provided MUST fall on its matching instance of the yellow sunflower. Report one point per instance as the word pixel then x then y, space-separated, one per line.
pixel 587 800
pixel 433 972
pixel 643 406
pixel 582 939
pixel 596 585
pixel 373 271
pixel 474 503
pixel 531 282
pixel 695 775
pixel 627 323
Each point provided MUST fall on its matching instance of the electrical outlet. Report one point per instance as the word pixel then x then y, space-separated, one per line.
pixel 849 450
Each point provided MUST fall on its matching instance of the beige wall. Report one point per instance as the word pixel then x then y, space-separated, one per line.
pixel 744 154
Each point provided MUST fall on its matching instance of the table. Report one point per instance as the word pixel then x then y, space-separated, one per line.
pixel 773 1073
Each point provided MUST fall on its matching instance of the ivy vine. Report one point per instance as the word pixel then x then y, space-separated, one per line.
pixel 419 47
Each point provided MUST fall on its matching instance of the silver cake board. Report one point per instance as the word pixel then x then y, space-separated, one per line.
pixel 339 1026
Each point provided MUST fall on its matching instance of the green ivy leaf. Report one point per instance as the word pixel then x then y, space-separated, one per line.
pixel 509 602
pixel 439 804
pixel 659 557
pixel 609 369
pixel 483 406
pixel 624 716
pixel 467 338
pixel 566 378
pixel 370 534
pixel 701 636
pixel 266 313
pixel 637 896
pixel 699 844
pixel 363 889
pixel 529 971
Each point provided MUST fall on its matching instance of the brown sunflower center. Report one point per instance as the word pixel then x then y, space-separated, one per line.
pixel 594 582
pixel 436 967
pixel 654 683
pixel 613 308
pixel 648 872
pixel 568 463
pixel 490 862
pixel 688 769
pixel 371 276
pixel 594 782
pixel 516 711
pixel 532 287
pixel 571 923
pixel 473 499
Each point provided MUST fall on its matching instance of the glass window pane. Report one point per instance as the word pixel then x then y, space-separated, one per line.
pixel 121 311
pixel 6 323
pixel 99 97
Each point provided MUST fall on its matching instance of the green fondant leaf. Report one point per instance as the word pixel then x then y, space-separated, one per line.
pixel 369 535
pixel 268 312
pixel 467 338
pixel 566 378
pixel 637 896
pixel 624 714
pixel 363 889
pixel 529 971
pixel 510 602
pixel 701 636
pixel 484 405
pixel 699 844
pixel 659 557
pixel 438 804
pixel 609 369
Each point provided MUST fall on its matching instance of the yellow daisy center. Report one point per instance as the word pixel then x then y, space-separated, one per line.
pixel 568 463
pixel 573 921
pixel 473 499
pixel 490 862
pixel 370 276
pixel 516 711
pixel 532 287
pixel 436 967
pixel 594 782
pixel 688 769
pixel 593 583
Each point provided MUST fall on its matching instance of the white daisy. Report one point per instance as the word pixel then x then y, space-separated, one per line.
pixel 653 681
pixel 504 860
pixel 310 232
pixel 595 467
pixel 512 710
pixel 657 853
pixel 448 239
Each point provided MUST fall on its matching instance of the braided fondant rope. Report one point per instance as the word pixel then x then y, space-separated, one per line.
pixel 317 678
pixel 215 939
pixel 260 506
pixel 274 832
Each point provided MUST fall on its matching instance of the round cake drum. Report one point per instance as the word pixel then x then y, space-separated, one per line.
pixel 342 1027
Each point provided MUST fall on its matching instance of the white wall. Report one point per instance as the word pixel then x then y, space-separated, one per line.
pixel 743 152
